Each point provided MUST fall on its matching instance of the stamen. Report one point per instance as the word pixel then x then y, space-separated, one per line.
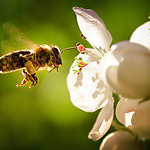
pixel 81 48
pixel 80 64
pixel 83 36
pixel 78 46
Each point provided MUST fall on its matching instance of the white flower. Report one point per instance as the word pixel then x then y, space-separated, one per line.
pixel 88 89
pixel 103 71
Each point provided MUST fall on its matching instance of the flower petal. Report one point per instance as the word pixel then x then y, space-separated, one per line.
pixel 93 28
pixel 122 49
pixel 125 110
pixel 103 121
pixel 88 57
pixel 124 78
pixel 87 90
pixel 91 55
pixel 142 35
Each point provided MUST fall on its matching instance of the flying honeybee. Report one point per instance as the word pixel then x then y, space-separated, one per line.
pixel 31 61
pixel 43 57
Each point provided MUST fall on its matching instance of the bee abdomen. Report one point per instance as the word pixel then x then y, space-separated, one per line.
pixel 12 62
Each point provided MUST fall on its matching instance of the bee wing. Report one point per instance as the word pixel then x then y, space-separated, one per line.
pixel 16 39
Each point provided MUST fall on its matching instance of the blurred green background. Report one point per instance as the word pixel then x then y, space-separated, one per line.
pixel 43 117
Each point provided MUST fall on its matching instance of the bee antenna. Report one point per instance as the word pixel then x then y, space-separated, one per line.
pixel 68 49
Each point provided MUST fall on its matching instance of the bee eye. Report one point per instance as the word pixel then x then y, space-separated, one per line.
pixel 55 51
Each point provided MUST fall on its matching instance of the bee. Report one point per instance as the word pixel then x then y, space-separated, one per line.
pixel 31 61
pixel 40 57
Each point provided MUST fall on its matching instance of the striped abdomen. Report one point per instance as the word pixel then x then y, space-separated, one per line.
pixel 13 61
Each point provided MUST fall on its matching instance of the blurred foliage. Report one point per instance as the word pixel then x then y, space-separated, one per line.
pixel 43 117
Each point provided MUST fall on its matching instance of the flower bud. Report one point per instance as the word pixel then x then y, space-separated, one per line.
pixel 120 140
pixel 135 115
pixel 131 77
pixel 141 120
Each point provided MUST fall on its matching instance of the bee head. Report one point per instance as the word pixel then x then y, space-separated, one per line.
pixel 57 55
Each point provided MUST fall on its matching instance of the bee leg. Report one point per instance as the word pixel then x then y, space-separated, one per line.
pixel 30 68
pixel 34 80
pixel 26 78
pixel 32 73
pixel 52 69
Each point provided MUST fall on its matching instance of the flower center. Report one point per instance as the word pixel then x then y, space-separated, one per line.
pixel 80 64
